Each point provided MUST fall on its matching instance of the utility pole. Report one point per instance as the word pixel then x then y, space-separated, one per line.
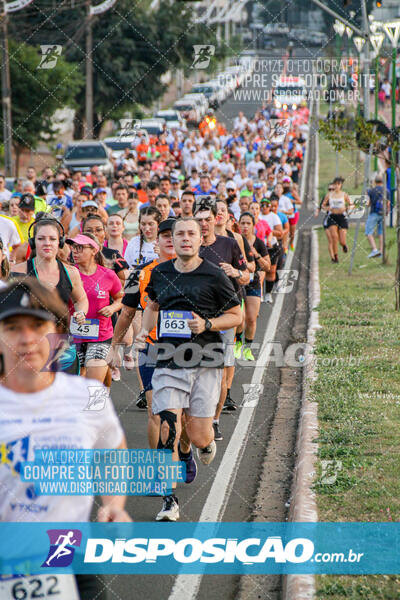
pixel 89 72
pixel 6 93
pixel 91 11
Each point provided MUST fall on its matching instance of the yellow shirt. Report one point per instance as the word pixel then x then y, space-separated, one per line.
pixel 23 227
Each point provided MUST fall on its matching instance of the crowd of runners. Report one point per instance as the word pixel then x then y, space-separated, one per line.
pixel 160 271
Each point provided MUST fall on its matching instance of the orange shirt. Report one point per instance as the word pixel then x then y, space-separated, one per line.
pixel 141 150
pixel 144 279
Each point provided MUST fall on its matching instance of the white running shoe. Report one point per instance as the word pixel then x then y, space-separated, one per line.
pixel 207 454
pixel 268 298
pixel 170 509
pixel 374 253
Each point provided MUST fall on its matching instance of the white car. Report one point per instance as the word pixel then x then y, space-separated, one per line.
pixel 189 110
pixel 200 100
pixel 211 92
pixel 118 143
pixel 152 126
pixel 170 115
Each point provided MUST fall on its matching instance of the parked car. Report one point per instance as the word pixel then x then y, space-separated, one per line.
pixel 201 101
pixel 170 115
pixel 118 143
pixel 83 154
pixel 211 92
pixel 189 110
pixel 153 127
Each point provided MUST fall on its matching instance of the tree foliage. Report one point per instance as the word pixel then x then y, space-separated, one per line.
pixel 132 48
pixel 37 93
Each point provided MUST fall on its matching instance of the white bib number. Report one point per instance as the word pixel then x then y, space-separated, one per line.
pixel 89 329
pixel 45 587
pixel 174 323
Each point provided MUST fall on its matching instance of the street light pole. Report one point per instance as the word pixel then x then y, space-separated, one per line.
pixel 392 30
pixel 89 72
pixel 376 41
pixel 6 94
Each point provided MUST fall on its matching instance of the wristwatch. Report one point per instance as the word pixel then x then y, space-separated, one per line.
pixel 207 324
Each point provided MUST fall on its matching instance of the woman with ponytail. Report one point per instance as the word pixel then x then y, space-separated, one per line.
pixel 141 249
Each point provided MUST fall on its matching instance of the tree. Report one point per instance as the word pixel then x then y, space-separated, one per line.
pixel 132 48
pixel 36 95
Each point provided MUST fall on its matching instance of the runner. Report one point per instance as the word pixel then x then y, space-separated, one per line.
pixel 130 216
pixel 93 224
pixel 289 190
pixel 135 297
pixel 222 227
pixel 187 202
pixel 201 303
pixel 337 202
pixel 37 401
pixel 260 254
pixel 104 293
pixel 115 239
pixel 225 253
pixel 274 248
pixel 141 248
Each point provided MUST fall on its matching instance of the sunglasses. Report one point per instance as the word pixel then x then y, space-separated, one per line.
pixel 79 247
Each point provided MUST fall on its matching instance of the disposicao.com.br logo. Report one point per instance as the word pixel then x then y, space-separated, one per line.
pixel 190 550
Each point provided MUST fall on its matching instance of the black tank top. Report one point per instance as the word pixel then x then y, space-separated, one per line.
pixel 64 285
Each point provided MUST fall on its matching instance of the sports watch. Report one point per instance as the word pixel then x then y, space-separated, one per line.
pixel 207 324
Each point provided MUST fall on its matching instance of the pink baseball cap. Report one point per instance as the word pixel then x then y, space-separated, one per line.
pixel 83 240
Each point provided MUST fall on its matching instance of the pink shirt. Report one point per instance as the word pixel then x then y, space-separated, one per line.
pixel 262 230
pixel 99 288
pixel 124 245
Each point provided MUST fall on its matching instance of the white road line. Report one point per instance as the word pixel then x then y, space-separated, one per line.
pixel 225 477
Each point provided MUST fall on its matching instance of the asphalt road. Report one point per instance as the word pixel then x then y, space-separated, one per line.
pixel 238 503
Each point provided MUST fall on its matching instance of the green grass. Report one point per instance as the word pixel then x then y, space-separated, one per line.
pixel 351 168
pixel 358 395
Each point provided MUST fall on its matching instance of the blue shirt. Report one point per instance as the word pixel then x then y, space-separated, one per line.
pixel 282 217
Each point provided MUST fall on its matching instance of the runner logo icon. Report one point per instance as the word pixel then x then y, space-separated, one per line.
pixel 62 547
pixel 202 56
pixel 50 54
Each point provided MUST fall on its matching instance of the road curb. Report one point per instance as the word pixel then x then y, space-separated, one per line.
pixel 303 507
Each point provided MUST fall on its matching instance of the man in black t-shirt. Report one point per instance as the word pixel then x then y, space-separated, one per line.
pixel 226 254
pixel 191 301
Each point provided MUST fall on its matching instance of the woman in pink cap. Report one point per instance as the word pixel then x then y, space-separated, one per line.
pixel 104 293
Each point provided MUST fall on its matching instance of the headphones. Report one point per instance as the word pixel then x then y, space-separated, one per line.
pixel 47 221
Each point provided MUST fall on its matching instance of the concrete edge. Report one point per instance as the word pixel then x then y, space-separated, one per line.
pixel 303 506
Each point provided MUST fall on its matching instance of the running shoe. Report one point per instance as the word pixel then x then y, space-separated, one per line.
pixel 115 374
pixel 374 253
pixel 229 404
pixel 292 247
pixel 141 401
pixel 191 465
pixel 207 454
pixel 238 349
pixel 129 362
pixel 268 298
pixel 247 353
pixel 217 433
pixel 345 249
pixel 336 259
pixel 170 509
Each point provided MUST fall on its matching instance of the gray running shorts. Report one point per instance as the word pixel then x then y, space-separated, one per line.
pixel 196 390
